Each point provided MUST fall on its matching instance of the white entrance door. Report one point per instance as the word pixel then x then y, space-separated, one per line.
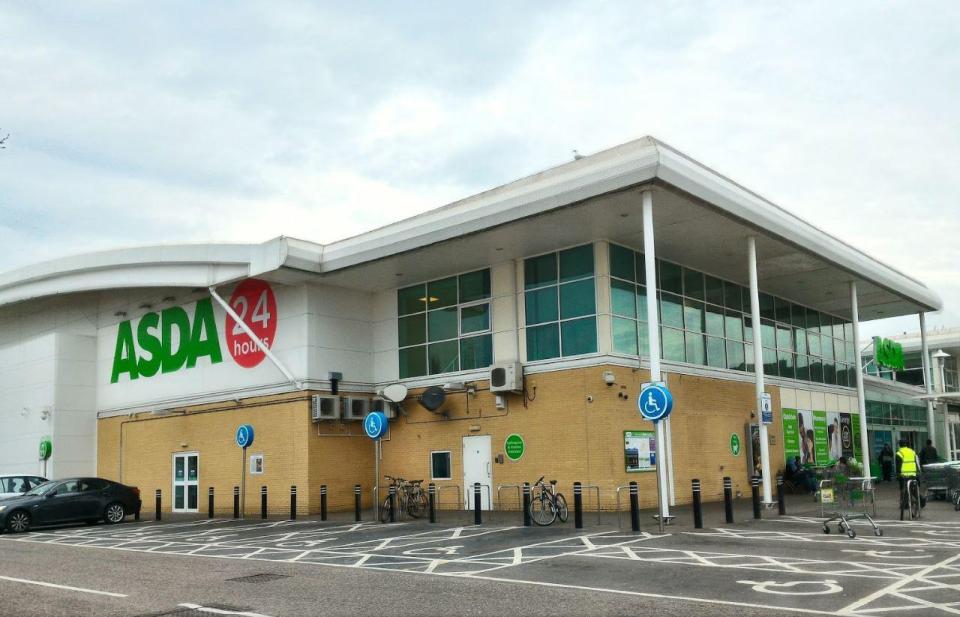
pixel 186 481
pixel 477 468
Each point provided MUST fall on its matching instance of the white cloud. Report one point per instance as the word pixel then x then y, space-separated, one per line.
pixel 324 122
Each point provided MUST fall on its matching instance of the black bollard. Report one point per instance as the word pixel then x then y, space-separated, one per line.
pixel 477 502
pixel 432 495
pixel 728 498
pixel 323 502
pixel 578 505
pixel 356 502
pixel 634 507
pixel 210 502
pixel 392 503
pixel 781 503
pixel 263 501
pixel 526 505
pixel 293 503
pixel 755 493
pixel 157 506
pixel 697 506
pixel 236 502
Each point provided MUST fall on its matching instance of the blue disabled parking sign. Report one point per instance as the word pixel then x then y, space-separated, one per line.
pixel 655 401
pixel 375 424
pixel 244 435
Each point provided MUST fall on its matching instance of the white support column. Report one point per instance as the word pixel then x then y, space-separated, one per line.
pixel 925 363
pixel 758 365
pixel 861 401
pixel 653 330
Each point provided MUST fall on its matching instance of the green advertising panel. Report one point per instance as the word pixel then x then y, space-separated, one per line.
pixel 514 447
pixel 855 425
pixel 821 452
pixel 791 435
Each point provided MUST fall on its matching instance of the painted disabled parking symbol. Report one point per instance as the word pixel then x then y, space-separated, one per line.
pixel 429 551
pixel 822 588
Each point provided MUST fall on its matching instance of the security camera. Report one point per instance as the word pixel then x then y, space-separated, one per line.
pixel 608 378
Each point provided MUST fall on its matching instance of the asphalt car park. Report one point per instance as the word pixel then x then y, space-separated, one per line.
pixel 784 564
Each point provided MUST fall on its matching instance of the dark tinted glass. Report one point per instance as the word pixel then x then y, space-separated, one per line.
pixel 693 284
pixel 538 271
pixel 732 296
pixel 622 263
pixel 671 277
pixel 714 290
pixel 576 263
pixel 412 299
pixel 475 286
pixel 442 293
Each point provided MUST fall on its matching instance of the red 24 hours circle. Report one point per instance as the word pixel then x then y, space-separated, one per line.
pixel 254 302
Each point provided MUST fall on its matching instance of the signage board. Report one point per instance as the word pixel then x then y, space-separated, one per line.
pixel 766 408
pixel 655 401
pixel 375 424
pixel 640 450
pixel 514 447
pixel 735 445
pixel 244 435
pixel 46 448
pixel 888 354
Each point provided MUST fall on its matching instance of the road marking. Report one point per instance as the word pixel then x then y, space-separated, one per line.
pixel 895 588
pixel 785 589
pixel 65 587
pixel 220 611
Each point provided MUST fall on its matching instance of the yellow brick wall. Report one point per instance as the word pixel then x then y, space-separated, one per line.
pixel 568 438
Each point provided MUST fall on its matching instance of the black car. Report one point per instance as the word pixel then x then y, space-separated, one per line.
pixel 73 500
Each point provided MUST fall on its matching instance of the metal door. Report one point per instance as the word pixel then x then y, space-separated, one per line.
pixel 186 481
pixel 477 467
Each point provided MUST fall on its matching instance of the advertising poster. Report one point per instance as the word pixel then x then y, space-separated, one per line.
pixel 640 450
pixel 791 434
pixel 805 431
pixel 846 436
pixel 757 466
pixel 855 430
pixel 821 453
pixel 833 435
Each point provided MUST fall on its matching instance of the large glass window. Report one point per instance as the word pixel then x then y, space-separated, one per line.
pixel 706 320
pixel 560 301
pixel 443 326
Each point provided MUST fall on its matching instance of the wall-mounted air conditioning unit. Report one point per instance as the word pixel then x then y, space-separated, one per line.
pixel 324 407
pixel 355 408
pixel 507 377
pixel 388 409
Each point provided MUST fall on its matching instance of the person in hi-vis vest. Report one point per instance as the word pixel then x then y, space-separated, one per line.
pixel 908 465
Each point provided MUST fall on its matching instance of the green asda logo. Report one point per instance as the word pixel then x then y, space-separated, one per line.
pixel 152 349
pixel 888 353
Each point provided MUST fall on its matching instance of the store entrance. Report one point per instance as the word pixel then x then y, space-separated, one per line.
pixel 186 481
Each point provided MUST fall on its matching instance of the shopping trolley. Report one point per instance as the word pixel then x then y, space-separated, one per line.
pixel 838 503
pixel 953 485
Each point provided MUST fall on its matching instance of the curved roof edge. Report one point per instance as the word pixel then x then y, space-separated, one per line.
pixel 171 265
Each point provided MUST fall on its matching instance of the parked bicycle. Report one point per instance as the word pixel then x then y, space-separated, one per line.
pixel 546 504
pixel 410 499
pixel 910 499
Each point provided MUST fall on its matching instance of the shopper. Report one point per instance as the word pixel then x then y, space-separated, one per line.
pixel 908 466
pixel 800 477
pixel 886 463
pixel 928 454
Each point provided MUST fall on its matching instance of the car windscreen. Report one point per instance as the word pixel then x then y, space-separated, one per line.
pixel 42 489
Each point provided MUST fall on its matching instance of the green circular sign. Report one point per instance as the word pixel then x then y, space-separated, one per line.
pixel 514 447
pixel 735 444
pixel 46 448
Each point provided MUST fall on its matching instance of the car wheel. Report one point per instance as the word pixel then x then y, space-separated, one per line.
pixel 114 513
pixel 18 522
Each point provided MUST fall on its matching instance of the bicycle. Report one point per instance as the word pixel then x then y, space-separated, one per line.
pixel 546 504
pixel 410 499
pixel 910 498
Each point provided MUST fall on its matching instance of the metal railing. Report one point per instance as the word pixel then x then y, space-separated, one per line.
pixel 622 487
pixel 594 487
pixel 443 487
pixel 501 487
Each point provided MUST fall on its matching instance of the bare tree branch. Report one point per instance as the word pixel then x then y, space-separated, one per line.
pixel 3 141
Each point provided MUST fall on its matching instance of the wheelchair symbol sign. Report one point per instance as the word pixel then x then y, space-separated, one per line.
pixel 375 424
pixel 655 401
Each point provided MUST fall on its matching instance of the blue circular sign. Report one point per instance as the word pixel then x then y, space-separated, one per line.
pixel 375 424
pixel 655 402
pixel 244 435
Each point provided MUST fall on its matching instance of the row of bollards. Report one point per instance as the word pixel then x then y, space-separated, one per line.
pixel 478 502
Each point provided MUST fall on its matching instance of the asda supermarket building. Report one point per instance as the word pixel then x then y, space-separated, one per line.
pixel 140 364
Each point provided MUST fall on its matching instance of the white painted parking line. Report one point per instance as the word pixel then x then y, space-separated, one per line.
pixel 63 587
pixel 220 611
pixel 897 590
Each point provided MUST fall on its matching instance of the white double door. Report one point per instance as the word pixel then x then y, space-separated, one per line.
pixel 477 467
pixel 186 482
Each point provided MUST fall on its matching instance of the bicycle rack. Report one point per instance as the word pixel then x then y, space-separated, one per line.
pixel 443 487
pixel 594 487
pixel 623 487
pixel 500 488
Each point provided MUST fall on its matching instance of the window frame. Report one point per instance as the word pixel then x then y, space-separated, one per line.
pixel 449 454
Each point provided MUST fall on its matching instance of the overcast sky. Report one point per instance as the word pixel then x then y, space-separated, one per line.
pixel 153 122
